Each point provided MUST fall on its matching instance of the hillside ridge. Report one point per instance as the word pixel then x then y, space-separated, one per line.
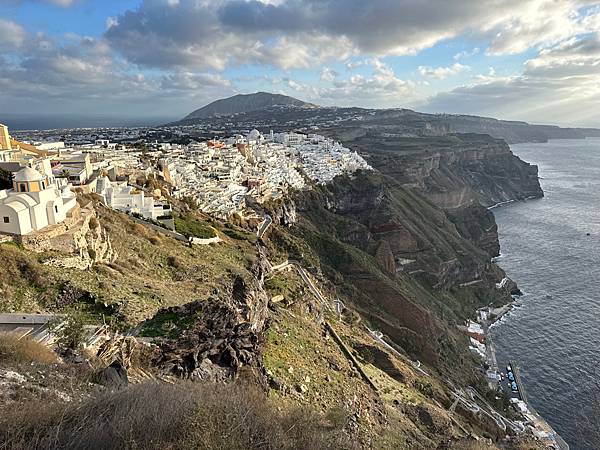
pixel 245 103
pixel 264 111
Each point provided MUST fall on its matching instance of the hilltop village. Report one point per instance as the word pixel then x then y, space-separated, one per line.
pixel 218 174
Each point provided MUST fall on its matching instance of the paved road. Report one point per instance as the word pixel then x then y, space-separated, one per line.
pixel 468 399
pixel 264 226
pixel 498 418
pixel 306 278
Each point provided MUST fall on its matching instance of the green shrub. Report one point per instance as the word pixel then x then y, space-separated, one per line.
pixel 277 285
pixel 192 227
pixel 167 324
pixel 240 235
pixel 70 333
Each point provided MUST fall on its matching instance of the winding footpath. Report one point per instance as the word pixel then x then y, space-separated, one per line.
pixel 469 398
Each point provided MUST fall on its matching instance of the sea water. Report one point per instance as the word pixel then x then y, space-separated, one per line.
pixel 551 248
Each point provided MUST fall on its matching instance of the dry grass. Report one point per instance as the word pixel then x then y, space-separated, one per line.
pixel 163 416
pixel 155 240
pixel 21 267
pixel 141 280
pixel 14 351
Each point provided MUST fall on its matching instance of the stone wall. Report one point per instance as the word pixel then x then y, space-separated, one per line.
pixel 198 241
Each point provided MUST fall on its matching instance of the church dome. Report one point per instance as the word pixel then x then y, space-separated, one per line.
pixel 28 174
pixel 254 135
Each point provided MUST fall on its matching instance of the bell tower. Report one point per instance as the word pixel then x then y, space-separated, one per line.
pixel 4 138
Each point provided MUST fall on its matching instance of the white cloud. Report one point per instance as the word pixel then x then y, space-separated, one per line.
pixel 302 33
pixel 466 54
pixel 188 44
pixel 542 23
pixel 351 65
pixel 441 72
pixel 328 74
pixel 12 35
pixel 560 85
pixel 111 22
pixel 187 81
pixel 382 88
pixel 82 72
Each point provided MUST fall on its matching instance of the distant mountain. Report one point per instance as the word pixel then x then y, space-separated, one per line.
pixel 278 112
pixel 244 103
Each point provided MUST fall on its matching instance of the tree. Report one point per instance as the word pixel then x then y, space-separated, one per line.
pixel 6 179
pixel 70 333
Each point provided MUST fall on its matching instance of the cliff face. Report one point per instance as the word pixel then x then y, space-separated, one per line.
pixel 511 131
pixel 410 244
pixel 452 171
pixel 460 174
pixel 398 259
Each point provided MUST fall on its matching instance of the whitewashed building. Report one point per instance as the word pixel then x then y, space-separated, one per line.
pixel 33 203
pixel 118 195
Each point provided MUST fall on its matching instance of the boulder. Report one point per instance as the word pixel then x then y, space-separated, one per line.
pixel 114 376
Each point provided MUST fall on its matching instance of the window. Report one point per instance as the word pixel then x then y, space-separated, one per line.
pixel 55 208
pixel 6 219
pixel 43 186
pixel 22 187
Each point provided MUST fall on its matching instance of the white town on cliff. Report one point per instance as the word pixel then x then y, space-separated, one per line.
pixel 218 174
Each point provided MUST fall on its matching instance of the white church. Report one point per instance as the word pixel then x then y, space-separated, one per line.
pixel 34 203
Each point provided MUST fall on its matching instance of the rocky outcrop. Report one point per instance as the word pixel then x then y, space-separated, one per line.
pixel 225 331
pixel 81 241
pixel 284 213
pixel 477 224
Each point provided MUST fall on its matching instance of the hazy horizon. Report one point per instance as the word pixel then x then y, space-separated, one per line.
pixel 24 122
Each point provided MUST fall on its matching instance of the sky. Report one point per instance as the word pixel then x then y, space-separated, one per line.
pixel 533 60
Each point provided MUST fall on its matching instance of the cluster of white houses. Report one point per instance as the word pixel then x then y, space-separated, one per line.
pixel 43 179
pixel 35 199
pixel 217 174
pixel 220 174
